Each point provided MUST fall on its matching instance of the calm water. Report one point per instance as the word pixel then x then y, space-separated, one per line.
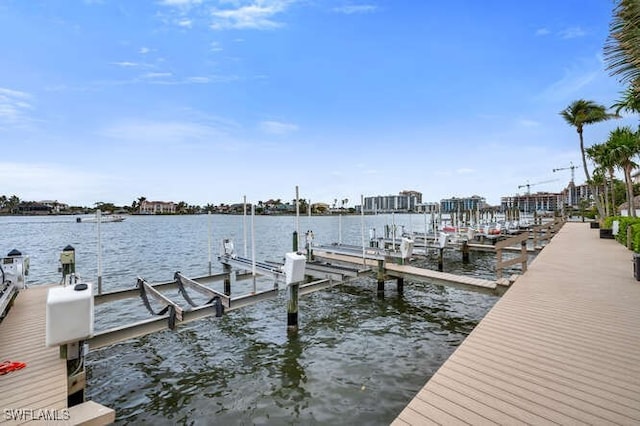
pixel 357 359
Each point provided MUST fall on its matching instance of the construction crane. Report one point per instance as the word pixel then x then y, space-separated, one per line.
pixel 529 185
pixel 572 167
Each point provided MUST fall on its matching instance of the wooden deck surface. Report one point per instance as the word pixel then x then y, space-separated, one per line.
pixel 561 346
pixel 42 384
pixel 412 272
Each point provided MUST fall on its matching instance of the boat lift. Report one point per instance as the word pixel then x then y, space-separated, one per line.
pixel 229 257
pixel 14 269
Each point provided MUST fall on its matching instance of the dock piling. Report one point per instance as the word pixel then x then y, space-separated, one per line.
pixel 227 279
pixel 440 260
pixel 380 277
pixel 465 251
pixel 400 285
pixel 292 308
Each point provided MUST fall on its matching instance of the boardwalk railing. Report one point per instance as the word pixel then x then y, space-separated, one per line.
pixel 540 233
pixel 522 258
pixel 544 233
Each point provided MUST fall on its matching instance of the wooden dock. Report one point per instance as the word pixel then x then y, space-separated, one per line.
pixel 40 389
pixel 561 346
pixel 412 272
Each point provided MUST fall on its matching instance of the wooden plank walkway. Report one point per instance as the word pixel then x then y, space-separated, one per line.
pixel 412 272
pixel 561 346
pixel 42 384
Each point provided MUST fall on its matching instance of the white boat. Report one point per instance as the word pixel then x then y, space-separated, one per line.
pixel 103 219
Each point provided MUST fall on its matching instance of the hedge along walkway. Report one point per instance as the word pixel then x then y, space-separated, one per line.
pixel 628 230
pixel 562 345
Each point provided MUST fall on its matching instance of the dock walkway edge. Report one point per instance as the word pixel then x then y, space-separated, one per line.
pixel 561 346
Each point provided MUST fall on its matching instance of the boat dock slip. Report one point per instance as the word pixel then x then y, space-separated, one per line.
pixel 39 389
pixel 561 346
pixel 412 272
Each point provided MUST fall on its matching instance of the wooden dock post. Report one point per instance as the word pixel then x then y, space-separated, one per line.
pixel 292 308
pixel 524 255
pixel 309 245
pixel 440 260
pixel 522 258
pixel 68 262
pixel 380 277
pixel 400 285
pixel 227 279
pixel 465 251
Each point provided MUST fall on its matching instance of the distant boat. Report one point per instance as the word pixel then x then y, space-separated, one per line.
pixel 103 219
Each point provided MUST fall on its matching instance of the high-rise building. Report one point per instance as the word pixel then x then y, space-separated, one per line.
pixel 529 203
pixel 453 205
pixel 405 201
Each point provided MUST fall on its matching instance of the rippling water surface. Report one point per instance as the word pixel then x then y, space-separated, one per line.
pixel 358 359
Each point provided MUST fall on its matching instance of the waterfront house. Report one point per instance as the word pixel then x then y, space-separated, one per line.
pixel 157 207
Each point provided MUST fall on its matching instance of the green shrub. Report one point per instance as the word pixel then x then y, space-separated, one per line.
pixel 635 237
pixel 608 222
pixel 624 223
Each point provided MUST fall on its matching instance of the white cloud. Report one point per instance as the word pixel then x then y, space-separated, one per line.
pixel 528 123
pixel 144 50
pixel 13 106
pixel 464 171
pixel 126 64
pixel 157 75
pixel 257 15
pixel 197 79
pixel 570 85
pixel 353 9
pixel 277 127
pixel 165 133
pixel 543 32
pixel 216 46
pixel 180 3
pixel 185 23
pixel 40 181
pixel 572 32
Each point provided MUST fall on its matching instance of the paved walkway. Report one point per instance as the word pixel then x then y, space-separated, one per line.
pixel 561 346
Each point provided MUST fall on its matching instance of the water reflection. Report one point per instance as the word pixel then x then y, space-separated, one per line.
pixel 292 393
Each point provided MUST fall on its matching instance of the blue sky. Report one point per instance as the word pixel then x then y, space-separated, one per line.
pixel 206 101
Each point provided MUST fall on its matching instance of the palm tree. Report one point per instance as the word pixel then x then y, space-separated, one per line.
pixel 625 144
pixel 12 203
pixel 578 114
pixel 181 207
pixel 601 155
pixel 622 48
pixel 140 202
pixel 629 102
pixel 599 180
